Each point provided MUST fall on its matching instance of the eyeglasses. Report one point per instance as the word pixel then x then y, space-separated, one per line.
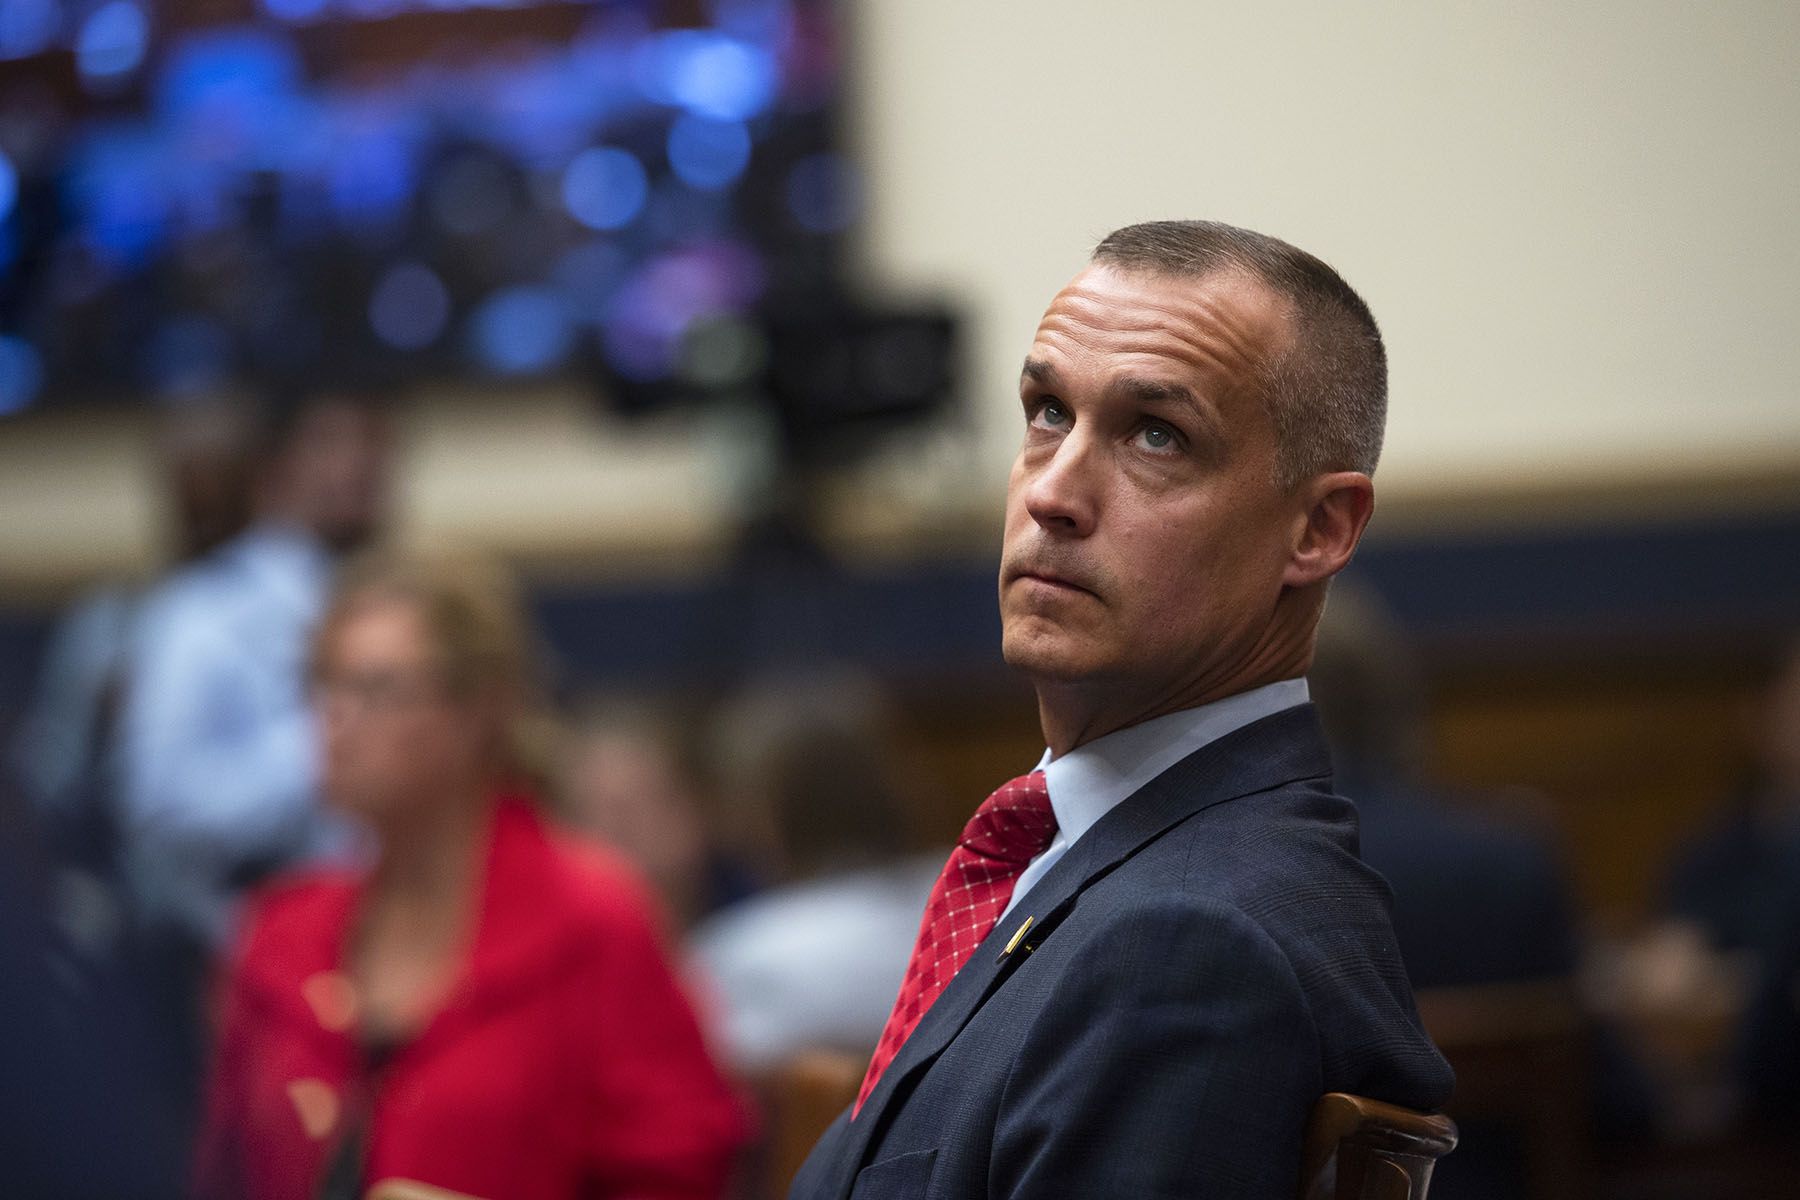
pixel 384 690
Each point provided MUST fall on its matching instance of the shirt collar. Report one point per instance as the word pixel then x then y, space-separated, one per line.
pixel 1087 782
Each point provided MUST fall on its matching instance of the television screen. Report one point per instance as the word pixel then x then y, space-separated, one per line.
pixel 196 191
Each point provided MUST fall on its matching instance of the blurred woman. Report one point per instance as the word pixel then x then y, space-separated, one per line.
pixel 488 1008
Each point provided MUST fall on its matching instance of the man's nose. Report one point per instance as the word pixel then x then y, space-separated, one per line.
pixel 1061 493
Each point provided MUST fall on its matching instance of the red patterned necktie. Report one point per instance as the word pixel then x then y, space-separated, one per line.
pixel 1013 826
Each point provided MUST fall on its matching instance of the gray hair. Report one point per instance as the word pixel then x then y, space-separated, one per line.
pixel 1326 391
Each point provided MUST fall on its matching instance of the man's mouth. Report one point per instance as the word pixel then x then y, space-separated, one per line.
pixel 1051 579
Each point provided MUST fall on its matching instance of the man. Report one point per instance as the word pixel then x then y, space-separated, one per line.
pixel 1188 951
pixel 218 750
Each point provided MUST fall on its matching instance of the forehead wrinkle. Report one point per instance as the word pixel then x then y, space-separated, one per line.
pixel 1226 325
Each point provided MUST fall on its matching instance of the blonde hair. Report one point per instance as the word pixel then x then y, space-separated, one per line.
pixel 474 614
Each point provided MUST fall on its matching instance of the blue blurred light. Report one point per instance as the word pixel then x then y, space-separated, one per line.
pixel 521 331
pixel 605 187
pixel 112 42
pixel 296 11
pixel 708 154
pixel 187 354
pixel 372 177
pixel 9 186
pixel 722 78
pixel 28 27
pixel 115 189
pixel 21 373
pixel 228 68
pixel 824 192
pixel 409 307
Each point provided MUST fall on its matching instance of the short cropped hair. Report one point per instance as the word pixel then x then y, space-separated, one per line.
pixel 1327 389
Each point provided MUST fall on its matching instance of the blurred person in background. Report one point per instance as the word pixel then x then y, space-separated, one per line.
pixel 1759 905
pixel 488 1008
pixel 1705 987
pixel 1735 878
pixel 64 752
pixel 79 1117
pixel 219 773
pixel 815 960
pixel 626 776
pixel 1481 898
pixel 1476 900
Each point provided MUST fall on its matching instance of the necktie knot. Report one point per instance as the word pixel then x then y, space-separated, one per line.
pixel 1015 824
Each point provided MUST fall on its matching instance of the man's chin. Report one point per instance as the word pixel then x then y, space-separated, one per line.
pixel 1044 654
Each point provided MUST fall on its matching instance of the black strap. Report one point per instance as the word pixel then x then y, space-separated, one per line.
pixel 344 1174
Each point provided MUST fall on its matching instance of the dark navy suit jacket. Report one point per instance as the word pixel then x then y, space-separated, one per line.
pixel 1202 965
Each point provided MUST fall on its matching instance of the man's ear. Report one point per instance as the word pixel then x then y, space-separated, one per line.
pixel 1334 510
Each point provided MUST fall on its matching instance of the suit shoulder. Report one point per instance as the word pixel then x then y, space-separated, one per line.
pixel 1284 862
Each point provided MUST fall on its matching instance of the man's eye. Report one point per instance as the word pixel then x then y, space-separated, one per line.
pixel 1051 415
pixel 1158 437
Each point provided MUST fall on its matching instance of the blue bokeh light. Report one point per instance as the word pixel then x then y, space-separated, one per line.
pixel 112 42
pixel 605 188
pixel 9 186
pixel 521 331
pixel 723 78
pixel 708 154
pixel 28 27
pixel 705 72
pixel 372 177
pixel 226 68
pixel 409 307
pixel 116 189
pixel 21 373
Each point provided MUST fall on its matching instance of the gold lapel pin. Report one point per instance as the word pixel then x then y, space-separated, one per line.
pixel 1013 942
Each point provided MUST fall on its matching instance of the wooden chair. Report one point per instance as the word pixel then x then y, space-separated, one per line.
pixel 1521 1055
pixel 1361 1149
pixel 803 1097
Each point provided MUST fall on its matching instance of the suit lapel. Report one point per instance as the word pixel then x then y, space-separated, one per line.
pixel 1278 749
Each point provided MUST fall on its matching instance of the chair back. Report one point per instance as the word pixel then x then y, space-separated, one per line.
pixel 1361 1149
pixel 1521 1054
pixel 805 1095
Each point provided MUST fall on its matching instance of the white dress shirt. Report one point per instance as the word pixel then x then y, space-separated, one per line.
pixel 1087 782
pixel 219 753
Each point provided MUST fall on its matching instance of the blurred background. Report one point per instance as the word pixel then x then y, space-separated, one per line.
pixel 705 317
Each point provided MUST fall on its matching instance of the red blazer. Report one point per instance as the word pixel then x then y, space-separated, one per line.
pixel 566 1062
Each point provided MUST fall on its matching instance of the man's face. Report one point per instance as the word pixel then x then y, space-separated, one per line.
pixel 1145 536
pixel 336 467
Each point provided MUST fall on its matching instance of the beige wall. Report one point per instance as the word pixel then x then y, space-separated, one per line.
pixel 1574 221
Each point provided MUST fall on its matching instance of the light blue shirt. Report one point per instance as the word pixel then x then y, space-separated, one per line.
pixel 1089 781
pixel 219 754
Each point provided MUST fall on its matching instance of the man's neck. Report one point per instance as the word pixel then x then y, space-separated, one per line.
pixel 1073 715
